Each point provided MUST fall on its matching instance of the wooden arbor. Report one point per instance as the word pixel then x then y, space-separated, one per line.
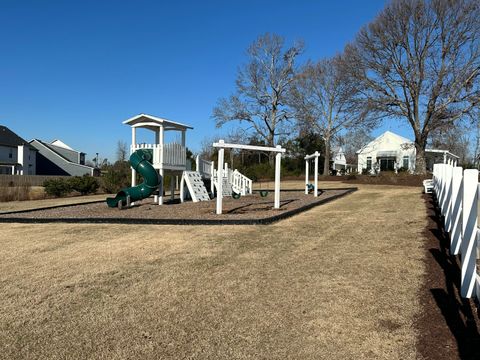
pixel 278 158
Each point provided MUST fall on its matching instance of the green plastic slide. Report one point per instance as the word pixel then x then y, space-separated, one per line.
pixel 140 161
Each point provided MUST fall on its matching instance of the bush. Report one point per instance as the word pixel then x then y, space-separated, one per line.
pixel 84 184
pixel 116 177
pixel 365 171
pixel 57 187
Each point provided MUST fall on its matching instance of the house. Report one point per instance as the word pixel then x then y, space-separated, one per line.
pixel 17 157
pixel 57 158
pixel 391 152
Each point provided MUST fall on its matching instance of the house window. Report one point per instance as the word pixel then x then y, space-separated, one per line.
pixel 369 163
pixel 10 154
pixel 406 162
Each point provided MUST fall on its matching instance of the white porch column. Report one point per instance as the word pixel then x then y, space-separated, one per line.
pixel 161 172
pixel 221 152
pixel 444 157
pixel 306 176
pixel 278 162
pixel 316 175
pixel 197 163
pixel 134 142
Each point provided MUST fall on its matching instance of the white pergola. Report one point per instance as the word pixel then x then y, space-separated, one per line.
pixel 315 155
pixel 221 152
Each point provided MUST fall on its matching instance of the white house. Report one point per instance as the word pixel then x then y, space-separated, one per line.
pixel 17 157
pixel 391 152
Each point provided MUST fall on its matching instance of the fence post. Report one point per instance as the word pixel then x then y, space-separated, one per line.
pixel 468 246
pixel 456 222
pixel 448 197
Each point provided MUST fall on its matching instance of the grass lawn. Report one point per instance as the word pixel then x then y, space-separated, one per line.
pixel 337 282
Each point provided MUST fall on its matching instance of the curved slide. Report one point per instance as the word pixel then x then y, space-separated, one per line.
pixel 140 161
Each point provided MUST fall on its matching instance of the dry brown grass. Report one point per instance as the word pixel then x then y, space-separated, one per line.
pixel 40 203
pixel 337 282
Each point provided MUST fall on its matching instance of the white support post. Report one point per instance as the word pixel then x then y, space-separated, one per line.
pixel 161 172
pixel 221 152
pixel 306 176
pixel 212 183
pixel 183 138
pixel 278 162
pixel 197 163
pixel 182 188
pixel 468 247
pixel 457 195
pixel 316 175
pixel 134 142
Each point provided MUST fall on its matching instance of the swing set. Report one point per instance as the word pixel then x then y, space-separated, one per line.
pixel 221 145
pixel 312 187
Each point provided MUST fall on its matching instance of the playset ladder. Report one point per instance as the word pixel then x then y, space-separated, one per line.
pixel 195 186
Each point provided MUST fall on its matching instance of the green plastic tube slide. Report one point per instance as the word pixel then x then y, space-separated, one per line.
pixel 141 162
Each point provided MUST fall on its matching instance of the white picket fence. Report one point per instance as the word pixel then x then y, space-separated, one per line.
pixel 457 193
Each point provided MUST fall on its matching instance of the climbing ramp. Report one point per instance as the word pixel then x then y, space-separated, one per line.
pixel 195 185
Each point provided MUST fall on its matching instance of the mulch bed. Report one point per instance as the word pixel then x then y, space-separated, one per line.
pixel 449 325
pixel 251 209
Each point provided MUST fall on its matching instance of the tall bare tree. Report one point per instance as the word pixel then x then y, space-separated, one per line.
pixel 321 96
pixel 262 86
pixel 352 141
pixel 122 150
pixel 419 60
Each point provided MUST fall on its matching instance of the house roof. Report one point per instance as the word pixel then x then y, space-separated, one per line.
pixel 153 123
pixel 61 144
pixel 400 139
pixel 9 138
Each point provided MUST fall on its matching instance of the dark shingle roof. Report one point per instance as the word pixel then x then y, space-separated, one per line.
pixel 9 138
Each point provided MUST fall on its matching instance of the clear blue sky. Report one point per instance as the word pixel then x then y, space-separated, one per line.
pixel 74 70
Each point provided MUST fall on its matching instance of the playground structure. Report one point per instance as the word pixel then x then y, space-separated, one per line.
pixel 159 159
pixel 221 145
pixel 308 186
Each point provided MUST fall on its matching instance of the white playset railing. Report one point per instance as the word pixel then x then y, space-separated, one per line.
pixel 168 155
pixel 239 182
pixel 457 193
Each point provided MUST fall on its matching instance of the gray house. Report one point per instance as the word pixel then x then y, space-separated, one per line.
pixel 17 157
pixel 57 158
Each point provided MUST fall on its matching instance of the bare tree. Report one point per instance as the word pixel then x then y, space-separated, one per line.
pixel 321 97
pixel 262 86
pixel 352 141
pixel 122 150
pixel 454 139
pixel 419 60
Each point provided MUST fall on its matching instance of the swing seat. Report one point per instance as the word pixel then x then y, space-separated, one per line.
pixel 235 195
pixel 310 187
pixel 263 193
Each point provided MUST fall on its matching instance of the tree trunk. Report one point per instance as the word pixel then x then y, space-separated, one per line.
pixel 420 162
pixel 326 163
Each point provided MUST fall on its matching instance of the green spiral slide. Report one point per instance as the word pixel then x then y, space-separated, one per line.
pixel 141 162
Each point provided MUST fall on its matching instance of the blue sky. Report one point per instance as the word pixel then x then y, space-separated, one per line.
pixel 74 70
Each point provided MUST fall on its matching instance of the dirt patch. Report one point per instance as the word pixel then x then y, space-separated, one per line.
pixel 252 207
pixel 449 325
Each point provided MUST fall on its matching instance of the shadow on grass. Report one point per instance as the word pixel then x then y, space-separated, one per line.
pixel 457 311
